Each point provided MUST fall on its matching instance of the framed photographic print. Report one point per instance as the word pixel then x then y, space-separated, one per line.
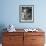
pixel 26 13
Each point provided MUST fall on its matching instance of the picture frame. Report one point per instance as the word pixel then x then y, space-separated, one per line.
pixel 26 13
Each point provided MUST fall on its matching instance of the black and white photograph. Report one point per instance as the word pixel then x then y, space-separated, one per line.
pixel 26 13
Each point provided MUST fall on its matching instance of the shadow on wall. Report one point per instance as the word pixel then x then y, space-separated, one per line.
pixel 2 26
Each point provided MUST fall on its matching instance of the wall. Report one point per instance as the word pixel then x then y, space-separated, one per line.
pixel 10 13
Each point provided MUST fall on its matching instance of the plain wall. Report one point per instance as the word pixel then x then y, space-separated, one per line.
pixel 10 13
